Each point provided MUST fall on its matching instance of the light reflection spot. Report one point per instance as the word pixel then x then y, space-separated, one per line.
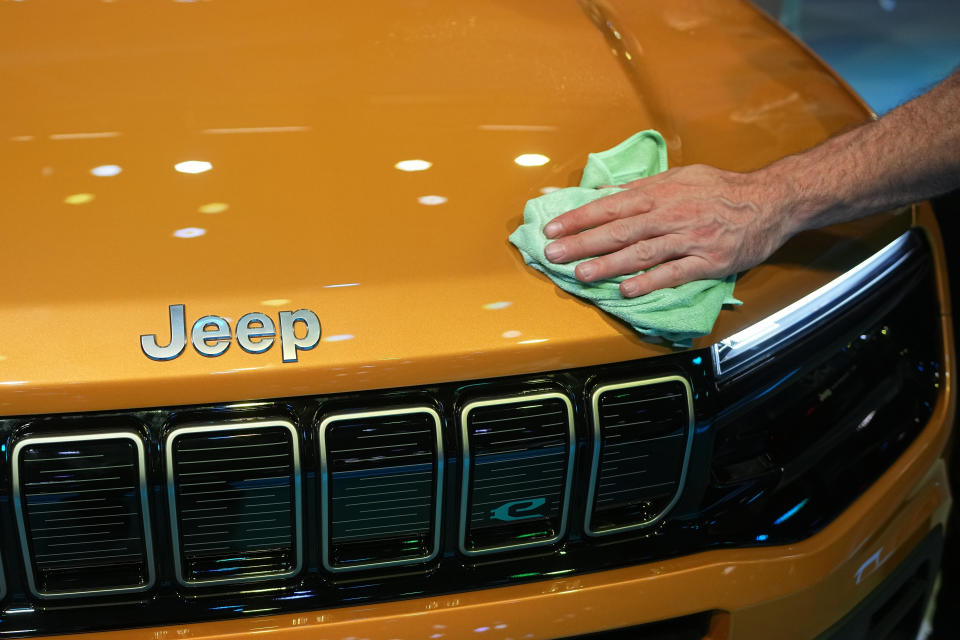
pixel 531 160
pixel 513 333
pixel 213 207
pixel 533 341
pixel 431 200
pixel 547 190
pixel 339 337
pixel 106 170
pixel 413 165
pixel 493 306
pixel 189 232
pixel 79 198
pixel 275 302
pixel 193 166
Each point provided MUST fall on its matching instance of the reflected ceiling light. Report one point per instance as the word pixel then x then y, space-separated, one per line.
pixel 497 305
pixel 21 138
pixel 337 286
pixel 79 198
pixel 533 341
pixel 531 160
pixel 106 170
pixel 431 200
pixel 546 190
pixel 513 333
pixel 517 127
pixel 189 232
pixel 87 135
pixel 275 302
pixel 213 207
pixel 340 337
pixel 193 166
pixel 413 165
pixel 280 129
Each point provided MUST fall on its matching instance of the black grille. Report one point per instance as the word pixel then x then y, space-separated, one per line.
pixel 80 508
pixel 381 486
pixel 235 501
pixel 642 431
pixel 518 459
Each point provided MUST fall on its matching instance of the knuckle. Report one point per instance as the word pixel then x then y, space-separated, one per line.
pixel 641 252
pixel 612 209
pixel 619 231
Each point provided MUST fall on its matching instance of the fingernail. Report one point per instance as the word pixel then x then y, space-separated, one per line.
pixel 586 270
pixel 554 251
pixel 629 289
pixel 551 229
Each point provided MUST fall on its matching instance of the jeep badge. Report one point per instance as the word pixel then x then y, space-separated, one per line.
pixel 255 333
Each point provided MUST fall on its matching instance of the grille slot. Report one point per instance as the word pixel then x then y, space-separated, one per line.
pixel 642 433
pixel 517 468
pixel 235 506
pixel 381 486
pixel 81 505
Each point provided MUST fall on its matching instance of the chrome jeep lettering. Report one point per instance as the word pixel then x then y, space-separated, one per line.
pixel 246 333
pixel 178 338
pixel 209 342
pixel 255 332
pixel 289 342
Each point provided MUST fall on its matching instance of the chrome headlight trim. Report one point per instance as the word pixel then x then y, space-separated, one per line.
pixel 747 346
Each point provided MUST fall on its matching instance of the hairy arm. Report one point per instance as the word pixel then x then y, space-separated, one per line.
pixel 700 222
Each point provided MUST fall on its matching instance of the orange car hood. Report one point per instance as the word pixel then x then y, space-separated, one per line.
pixel 303 110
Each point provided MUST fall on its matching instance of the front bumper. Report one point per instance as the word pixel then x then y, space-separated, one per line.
pixel 794 591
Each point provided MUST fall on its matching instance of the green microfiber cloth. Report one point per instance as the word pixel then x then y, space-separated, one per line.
pixel 676 314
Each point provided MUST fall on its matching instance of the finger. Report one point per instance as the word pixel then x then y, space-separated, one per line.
pixel 668 274
pixel 639 255
pixel 606 238
pixel 648 181
pixel 601 210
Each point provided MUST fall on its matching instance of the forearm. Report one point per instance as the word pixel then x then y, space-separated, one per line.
pixel 910 154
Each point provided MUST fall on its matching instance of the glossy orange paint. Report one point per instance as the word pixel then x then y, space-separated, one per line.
pixel 303 110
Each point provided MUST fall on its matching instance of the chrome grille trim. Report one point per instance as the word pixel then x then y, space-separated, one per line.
pixel 325 486
pixel 144 513
pixel 465 481
pixel 172 499
pixel 598 444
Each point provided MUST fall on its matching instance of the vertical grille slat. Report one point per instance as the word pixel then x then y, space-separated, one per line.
pixel 235 501
pixel 381 486
pixel 81 505
pixel 642 431
pixel 518 461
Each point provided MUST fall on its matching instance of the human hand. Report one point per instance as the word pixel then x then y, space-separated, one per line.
pixel 695 222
